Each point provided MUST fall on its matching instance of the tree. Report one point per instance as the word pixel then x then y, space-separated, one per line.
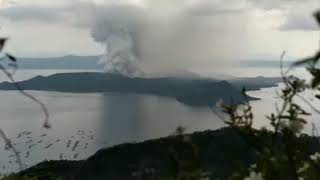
pixel 280 151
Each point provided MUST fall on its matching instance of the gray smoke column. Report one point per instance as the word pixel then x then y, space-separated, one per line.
pixel 115 27
pixel 160 38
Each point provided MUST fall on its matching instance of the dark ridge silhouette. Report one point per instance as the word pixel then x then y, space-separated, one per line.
pixel 255 83
pixel 194 92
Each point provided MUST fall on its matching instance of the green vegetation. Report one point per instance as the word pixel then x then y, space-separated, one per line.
pixel 284 154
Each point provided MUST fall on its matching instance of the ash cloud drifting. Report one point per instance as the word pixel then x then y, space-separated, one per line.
pixel 117 28
pixel 158 38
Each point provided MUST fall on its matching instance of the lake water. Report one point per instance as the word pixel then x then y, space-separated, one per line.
pixel 85 123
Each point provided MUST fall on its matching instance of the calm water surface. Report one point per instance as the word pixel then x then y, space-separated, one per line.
pixel 85 123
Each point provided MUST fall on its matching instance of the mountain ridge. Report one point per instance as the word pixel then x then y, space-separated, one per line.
pixel 193 92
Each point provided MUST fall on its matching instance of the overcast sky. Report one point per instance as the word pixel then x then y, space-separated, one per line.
pixel 38 28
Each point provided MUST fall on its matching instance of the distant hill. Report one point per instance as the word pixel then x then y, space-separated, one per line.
pixel 65 62
pixel 255 83
pixel 194 92
pixel 92 62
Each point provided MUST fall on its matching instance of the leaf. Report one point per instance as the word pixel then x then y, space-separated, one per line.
pixel 14 65
pixel 244 90
pixel 11 58
pixel 2 43
pixel 313 59
pixel 317 16
pixel 317 56
pixel 301 120
pixel 316 77
pixel 304 61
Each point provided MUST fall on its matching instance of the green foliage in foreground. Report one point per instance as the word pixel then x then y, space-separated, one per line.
pixel 283 156
pixel 49 170
pixel 16 177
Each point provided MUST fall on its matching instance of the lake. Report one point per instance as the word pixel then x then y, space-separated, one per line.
pixel 85 123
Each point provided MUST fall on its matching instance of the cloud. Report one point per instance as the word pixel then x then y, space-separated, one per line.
pixel 26 13
pixel 296 13
pixel 76 14
pixel 302 22
pixel 210 9
pixel 140 38
pixel 63 12
pixel 270 4
pixel 164 34
pixel 281 4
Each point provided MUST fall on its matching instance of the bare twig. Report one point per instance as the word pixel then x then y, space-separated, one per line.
pixel 46 123
pixel 8 145
pixel 309 104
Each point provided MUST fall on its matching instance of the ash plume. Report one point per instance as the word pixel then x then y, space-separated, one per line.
pixel 150 37
pixel 116 28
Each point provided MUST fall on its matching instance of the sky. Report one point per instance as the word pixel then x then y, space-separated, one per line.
pixel 249 29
